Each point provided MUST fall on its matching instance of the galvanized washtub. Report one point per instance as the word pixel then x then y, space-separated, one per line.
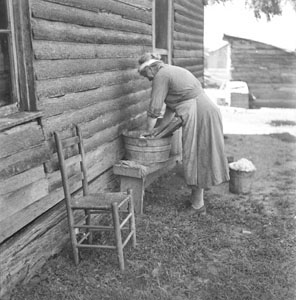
pixel 146 150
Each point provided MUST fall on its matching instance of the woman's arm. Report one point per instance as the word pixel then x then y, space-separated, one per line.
pixel 151 123
pixel 167 117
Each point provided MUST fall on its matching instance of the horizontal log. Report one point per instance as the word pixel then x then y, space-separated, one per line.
pixel 20 138
pixel 143 4
pixel 46 69
pixel 118 119
pixel 76 101
pixel 188 53
pixel 84 115
pixel 191 5
pixel 55 12
pixel 195 69
pixel 18 199
pixel 12 117
pixel 191 12
pixel 110 6
pixel 59 50
pixel 182 45
pixel 62 86
pixel 188 62
pixel 188 37
pixel 58 31
pixel 16 182
pixel 109 134
pixel 196 23
pixel 188 29
pixel 24 160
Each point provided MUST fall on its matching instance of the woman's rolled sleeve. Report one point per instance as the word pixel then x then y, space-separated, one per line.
pixel 158 95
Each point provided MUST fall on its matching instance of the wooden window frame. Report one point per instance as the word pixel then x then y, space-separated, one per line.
pixel 21 58
pixel 167 52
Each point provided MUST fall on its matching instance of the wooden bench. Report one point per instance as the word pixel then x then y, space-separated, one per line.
pixel 137 177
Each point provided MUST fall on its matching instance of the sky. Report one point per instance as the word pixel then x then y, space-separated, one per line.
pixel 235 19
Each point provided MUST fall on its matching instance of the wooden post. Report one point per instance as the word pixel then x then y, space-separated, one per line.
pixel 137 187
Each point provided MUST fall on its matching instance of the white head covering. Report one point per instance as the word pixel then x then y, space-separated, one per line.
pixel 148 59
pixel 147 63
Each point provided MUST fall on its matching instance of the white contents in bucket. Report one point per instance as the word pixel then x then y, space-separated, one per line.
pixel 243 165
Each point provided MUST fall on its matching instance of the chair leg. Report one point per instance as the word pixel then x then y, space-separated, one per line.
pixel 73 237
pixel 132 220
pixel 87 222
pixel 118 236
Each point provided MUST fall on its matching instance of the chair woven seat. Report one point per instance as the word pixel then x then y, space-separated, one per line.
pixel 91 201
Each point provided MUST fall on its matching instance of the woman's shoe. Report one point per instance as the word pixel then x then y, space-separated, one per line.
pixel 193 211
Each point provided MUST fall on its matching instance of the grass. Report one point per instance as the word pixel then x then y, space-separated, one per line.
pixel 241 250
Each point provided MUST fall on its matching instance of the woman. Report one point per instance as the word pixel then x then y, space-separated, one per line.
pixel 204 160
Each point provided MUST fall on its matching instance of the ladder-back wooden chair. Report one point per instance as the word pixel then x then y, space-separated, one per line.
pixel 119 205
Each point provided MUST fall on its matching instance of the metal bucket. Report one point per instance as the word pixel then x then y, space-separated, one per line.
pixel 240 181
pixel 146 150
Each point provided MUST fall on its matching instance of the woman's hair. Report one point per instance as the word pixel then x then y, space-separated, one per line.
pixel 147 56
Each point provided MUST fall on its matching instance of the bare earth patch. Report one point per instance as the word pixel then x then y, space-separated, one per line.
pixel 244 248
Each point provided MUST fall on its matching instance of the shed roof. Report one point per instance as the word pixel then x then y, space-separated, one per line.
pixel 227 37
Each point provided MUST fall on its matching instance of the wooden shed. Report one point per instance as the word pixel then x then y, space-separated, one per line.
pixel 64 62
pixel 268 70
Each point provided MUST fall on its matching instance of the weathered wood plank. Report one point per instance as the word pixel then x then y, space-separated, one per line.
pixel 16 182
pixel 188 29
pixel 62 86
pixel 194 6
pixel 18 199
pixel 188 61
pixel 61 13
pixel 58 31
pixel 24 160
pixel 109 134
pixel 17 118
pixel 196 70
pixel 114 117
pixel 83 115
pixel 47 69
pixel 56 106
pixel 192 12
pixel 143 4
pixel 110 6
pixel 60 50
pixel 188 53
pixel 194 23
pixel 183 45
pixel 20 138
pixel 188 37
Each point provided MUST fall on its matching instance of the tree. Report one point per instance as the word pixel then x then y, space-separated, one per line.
pixel 269 8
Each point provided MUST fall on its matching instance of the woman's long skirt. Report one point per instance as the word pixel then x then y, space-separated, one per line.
pixel 204 158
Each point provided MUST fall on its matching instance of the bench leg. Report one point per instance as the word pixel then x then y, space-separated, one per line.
pixel 137 186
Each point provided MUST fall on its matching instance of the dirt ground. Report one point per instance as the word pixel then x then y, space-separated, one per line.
pixel 244 248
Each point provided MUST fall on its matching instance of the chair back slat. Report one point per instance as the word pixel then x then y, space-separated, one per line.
pixel 69 142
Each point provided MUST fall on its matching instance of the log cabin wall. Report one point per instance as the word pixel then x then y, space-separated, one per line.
pixel 85 59
pixel 269 71
pixel 188 36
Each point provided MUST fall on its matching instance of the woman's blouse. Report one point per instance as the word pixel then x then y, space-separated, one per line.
pixel 172 84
